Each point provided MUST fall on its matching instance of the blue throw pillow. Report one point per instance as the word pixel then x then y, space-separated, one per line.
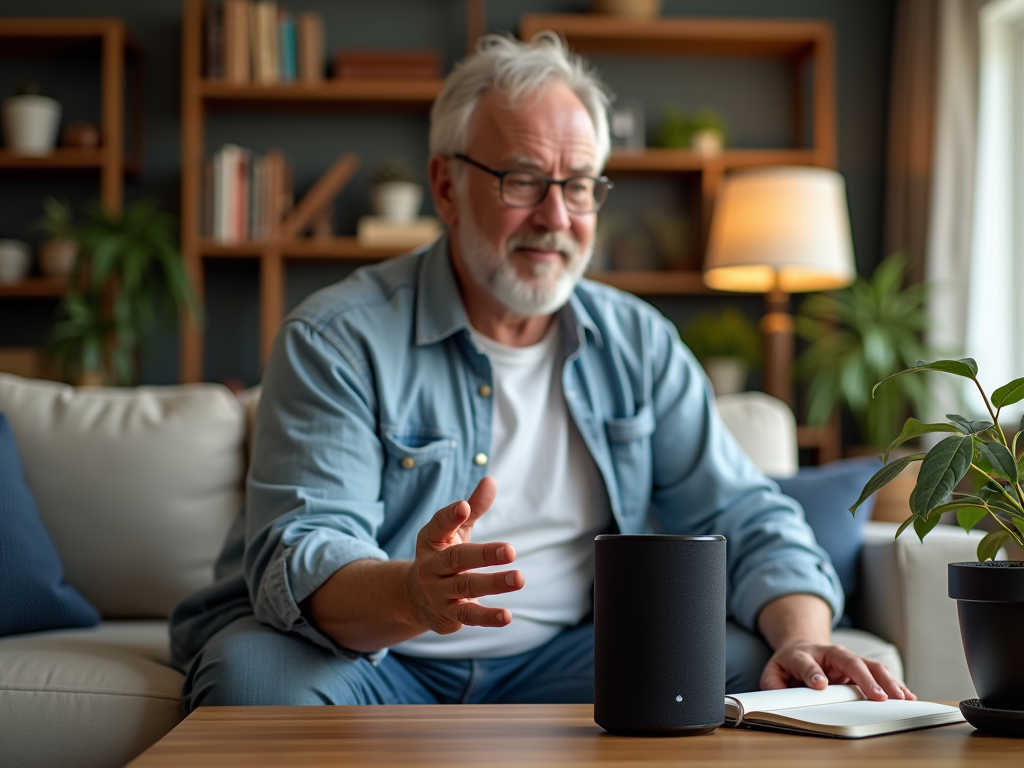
pixel 33 595
pixel 826 493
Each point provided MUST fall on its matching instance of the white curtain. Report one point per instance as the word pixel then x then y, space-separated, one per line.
pixel 995 306
pixel 951 220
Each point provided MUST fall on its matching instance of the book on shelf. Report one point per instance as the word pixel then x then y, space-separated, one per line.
pixel 245 195
pixel 260 41
pixel 839 711
pixel 387 65
pixel 378 232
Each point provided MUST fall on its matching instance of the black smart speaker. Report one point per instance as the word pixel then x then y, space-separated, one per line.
pixel 659 634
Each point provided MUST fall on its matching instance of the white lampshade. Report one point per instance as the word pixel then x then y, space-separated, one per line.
pixel 785 228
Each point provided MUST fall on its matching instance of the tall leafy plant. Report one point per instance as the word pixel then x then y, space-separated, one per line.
pixel 860 335
pixel 975 448
pixel 128 277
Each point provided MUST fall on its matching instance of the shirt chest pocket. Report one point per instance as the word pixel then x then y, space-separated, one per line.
pixel 418 470
pixel 629 441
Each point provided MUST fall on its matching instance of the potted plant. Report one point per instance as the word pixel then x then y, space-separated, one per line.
pixel 704 132
pixel 394 191
pixel 129 273
pixel 727 345
pixel 57 253
pixel 989 594
pixel 30 121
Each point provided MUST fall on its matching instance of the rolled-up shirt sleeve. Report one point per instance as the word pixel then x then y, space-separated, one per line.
pixel 704 483
pixel 313 491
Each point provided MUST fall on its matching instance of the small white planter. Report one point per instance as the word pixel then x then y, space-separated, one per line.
pixel 57 257
pixel 30 125
pixel 707 143
pixel 15 260
pixel 728 375
pixel 397 201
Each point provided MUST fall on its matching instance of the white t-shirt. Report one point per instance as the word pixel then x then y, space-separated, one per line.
pixel 551 503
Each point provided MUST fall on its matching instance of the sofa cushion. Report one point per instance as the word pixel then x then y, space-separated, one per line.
pixel 765 429
pixel 826 493
pixel 137 487
pixel 86 697
pixel 33 595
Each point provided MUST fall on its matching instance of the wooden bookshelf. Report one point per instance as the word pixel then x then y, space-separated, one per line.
pixel 34 288
pixel 414 94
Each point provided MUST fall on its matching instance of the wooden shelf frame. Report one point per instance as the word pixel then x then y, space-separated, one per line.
pixel 35 288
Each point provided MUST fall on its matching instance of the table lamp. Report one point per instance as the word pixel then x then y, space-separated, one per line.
pixel 779 231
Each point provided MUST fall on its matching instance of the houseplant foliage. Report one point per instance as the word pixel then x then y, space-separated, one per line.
pixel 860 335
pixel 727 344
pixel 128 276
pixel 977 449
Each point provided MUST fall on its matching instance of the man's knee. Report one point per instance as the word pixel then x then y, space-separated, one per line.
pixel 745 658
pixel 250 664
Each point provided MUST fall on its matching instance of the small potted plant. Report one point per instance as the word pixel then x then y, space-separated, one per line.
pixel 704 132
pixel 394 191
pixel 727 345
pixel 30 121
pixel 129 273
pixel 57 253
pixel 989 594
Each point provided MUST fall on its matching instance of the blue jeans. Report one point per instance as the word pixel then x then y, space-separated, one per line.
pixel 250 664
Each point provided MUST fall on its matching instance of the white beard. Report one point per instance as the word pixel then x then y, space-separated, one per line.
pixel 495 271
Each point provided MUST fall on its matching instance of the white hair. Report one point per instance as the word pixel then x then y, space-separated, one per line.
pixel 518 70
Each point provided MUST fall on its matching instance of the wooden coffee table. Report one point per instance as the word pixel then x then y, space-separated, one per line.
pixel 494 736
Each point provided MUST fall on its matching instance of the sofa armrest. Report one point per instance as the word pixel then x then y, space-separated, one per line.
pixel 902 597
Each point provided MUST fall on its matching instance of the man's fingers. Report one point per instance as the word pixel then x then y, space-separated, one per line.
pixel 482 497
pixel 466 557
pixel 475 615
pixel 773 677
pixel 473 585
pixel 857 670
pixel 445 522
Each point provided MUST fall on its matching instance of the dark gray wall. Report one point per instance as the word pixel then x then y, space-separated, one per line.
pixel 752 96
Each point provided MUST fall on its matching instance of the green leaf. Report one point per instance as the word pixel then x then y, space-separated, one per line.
pixel 1008 394
pixel 965 367
pixel 999 459
pixel 904 525
pixel 914 428
pixel 989 547
pixel 924 525
pixel 942 468
pixel 968 517
pixel 885 475
pixel 967 426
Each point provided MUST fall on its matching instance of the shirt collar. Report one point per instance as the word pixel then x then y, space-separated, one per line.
pixel 439 309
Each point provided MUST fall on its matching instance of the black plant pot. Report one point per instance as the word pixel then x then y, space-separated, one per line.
pixel 990 603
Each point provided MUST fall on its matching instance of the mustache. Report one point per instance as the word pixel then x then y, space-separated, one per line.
pixel 565 244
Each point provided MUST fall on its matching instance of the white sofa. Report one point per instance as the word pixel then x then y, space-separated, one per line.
pixel 138 487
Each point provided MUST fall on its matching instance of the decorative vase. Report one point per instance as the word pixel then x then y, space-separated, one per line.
pixel 397 201
pixel 728 375
pixel 632 9
pixel 990 603
pixel 30 124
pixel 707 142
pixel 15 260
pixel 57 257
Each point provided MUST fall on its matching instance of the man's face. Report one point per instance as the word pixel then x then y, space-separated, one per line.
pixel 529 259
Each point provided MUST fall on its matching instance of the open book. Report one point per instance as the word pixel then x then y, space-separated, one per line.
pixel 839 711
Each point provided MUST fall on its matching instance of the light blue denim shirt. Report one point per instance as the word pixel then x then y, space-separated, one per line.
pixel 372 413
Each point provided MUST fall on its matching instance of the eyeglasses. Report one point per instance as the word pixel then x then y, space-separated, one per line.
pixel 525 189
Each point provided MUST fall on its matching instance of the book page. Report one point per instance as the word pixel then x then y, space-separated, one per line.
pixel 861 718
pixel 738 705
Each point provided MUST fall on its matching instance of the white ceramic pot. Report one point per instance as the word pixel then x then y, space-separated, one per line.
pixel 707 143
pixel 397 201
pixel 30 125
pixel 632 9
pixel 57 257
pixel 15 260
pixel 728 375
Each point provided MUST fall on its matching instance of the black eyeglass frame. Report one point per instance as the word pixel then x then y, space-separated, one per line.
pixel 548 181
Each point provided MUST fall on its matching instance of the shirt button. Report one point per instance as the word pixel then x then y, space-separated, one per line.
pixel 408 462
pixel 480 459
pixel 485 390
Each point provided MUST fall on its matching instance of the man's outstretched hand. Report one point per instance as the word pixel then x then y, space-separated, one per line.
pixel 442 592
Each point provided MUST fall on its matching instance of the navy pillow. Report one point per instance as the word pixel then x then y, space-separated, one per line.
pixel 33 595
pixel 826 493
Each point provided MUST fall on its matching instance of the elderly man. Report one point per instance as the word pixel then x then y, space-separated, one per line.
pixel 485 369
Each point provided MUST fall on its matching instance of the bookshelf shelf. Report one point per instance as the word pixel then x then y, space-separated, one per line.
pixel 658 160
pixel 312 248
pixel 412 93
pixel 35 288
pixel 667 283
